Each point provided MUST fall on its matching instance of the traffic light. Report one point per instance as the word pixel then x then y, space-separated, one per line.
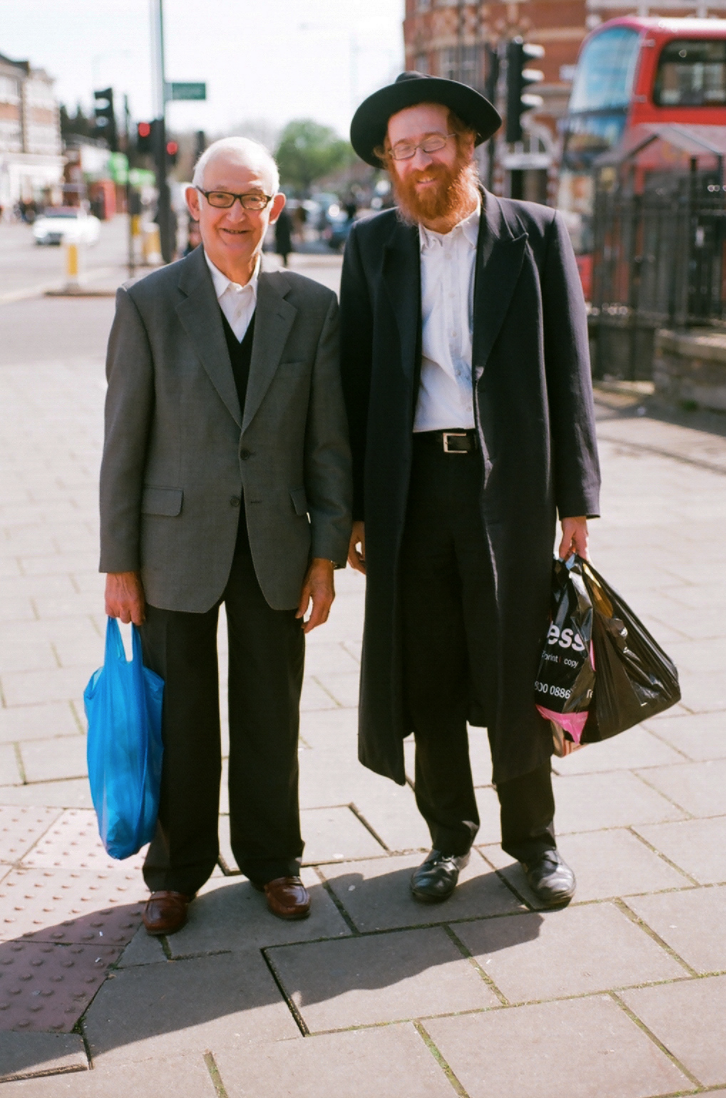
pixel 519 79
pixel 105 118
pixel 144 138
pixel 172 152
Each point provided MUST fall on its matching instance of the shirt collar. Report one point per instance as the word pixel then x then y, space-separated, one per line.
pixel 222 283
pixel 468 227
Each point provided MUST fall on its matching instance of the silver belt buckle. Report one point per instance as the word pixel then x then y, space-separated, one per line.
pixel 453 434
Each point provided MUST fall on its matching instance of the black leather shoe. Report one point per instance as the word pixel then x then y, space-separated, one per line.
pixel 550 878
pixel 435 879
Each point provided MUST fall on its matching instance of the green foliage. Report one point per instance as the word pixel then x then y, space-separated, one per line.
pixel 308 151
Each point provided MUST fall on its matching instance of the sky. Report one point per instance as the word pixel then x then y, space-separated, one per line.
pixel 263 60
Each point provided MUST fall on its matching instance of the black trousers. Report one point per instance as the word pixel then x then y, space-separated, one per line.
pixel 266 656
pixel 449 657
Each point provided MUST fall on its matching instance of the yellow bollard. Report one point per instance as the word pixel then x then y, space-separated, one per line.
pixel 152 245
pixel 136 224
pixel 72 265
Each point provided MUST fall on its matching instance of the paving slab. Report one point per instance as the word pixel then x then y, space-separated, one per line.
pixel 697 787
pixel 583 1048
pixel 143 949
pixel 46 986
pixel 64 906
pixel 330 834
pixel 20 829
pixel 329 658
pixel 53 684
pixel 189 1006
pixel 698 847
pixel 689 1018
pixel 490 828
pixel 576 951
pixel 73 842
pixel 691 922
pixel 634 748
pixel 606 864
pixel 229 914
pixel 331 728
pixel 591 802
pixel 379 978
pixel 376 895
pixel 391 811
pixel 167 1078
pixel 698 736
pixel 57 758
pixel 342 686
pixel 383 1062
pixel 70 793
pixel 9 769
pixel 23 1055
pixel 37 722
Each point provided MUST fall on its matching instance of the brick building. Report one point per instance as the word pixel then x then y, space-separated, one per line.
pixel 449 38
pixel 31 165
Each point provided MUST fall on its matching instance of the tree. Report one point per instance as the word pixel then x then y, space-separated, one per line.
pixel 308 151
pixel 79 124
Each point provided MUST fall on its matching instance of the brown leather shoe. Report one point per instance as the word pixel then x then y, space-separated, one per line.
pixel 288 898
pixel 166 912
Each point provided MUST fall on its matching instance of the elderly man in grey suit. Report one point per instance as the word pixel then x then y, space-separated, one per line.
pixel 225 479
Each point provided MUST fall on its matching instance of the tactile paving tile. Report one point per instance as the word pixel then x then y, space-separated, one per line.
pixel 21 827
pixel 73 842
pixel 56 906
pixel 48 987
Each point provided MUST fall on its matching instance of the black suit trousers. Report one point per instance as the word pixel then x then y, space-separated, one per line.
pixel 449 657
pixel 266 656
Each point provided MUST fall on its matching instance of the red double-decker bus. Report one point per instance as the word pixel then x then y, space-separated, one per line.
pixel 634 71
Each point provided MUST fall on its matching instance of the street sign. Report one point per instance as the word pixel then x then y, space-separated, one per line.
pixel 186 91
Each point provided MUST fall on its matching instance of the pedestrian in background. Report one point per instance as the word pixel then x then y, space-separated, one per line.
pixel 225 479
pixel 283 236
pixel 467 382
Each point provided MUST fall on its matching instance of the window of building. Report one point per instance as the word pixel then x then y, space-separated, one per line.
pixel 8 90
pixel 422 62
pixel 462 63
pixel 691 74
pixel 448 66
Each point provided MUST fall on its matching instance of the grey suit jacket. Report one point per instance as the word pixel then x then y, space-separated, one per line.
pixel 178 456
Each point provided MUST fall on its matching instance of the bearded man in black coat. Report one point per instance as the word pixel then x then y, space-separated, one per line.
pixel 467 383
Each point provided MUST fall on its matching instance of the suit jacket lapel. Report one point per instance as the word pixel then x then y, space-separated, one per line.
pixel 274 318
pixel 402 279
pixel 500 252
pixel 200 315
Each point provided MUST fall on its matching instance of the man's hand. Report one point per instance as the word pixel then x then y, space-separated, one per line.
pixel 319 587
pixel 356 556
pixel 125 597
pixel 574 538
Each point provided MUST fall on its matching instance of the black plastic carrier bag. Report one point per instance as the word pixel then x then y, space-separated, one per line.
pixel 635 679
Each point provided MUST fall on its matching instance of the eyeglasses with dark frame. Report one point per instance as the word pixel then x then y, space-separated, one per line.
pixel 225 200
pixel 431 143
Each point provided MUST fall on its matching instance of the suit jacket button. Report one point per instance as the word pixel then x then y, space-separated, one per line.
pixel 244 454
pixel 234 501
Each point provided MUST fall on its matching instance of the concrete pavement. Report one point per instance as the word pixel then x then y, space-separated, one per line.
pixel 621 995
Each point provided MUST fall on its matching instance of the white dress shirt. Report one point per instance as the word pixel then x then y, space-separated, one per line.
pixel 445 397
pixel 237 302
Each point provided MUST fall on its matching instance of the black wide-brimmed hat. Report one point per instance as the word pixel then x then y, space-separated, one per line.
pixel 370 121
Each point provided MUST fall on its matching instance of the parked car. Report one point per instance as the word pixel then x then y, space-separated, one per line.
pixel 66 223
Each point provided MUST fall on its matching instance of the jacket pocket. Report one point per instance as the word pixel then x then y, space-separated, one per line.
pixel 299 501
pixel 161 501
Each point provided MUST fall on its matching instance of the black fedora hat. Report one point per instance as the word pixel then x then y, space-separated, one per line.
pixel 370 121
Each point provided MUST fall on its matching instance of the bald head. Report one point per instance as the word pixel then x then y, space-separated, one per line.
pixel 239 152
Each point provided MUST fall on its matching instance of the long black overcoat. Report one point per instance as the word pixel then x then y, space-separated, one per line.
pixel 534 414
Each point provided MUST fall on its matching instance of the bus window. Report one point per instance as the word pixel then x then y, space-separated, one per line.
pixel 691 73
pixel 606 70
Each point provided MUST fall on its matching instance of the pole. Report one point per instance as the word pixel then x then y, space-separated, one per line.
pixel 164 214
pixel 129 198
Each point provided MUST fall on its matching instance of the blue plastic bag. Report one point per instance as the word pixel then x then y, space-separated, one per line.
pixel 123 705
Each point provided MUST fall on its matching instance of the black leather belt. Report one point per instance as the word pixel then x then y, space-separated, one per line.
pixel 451 442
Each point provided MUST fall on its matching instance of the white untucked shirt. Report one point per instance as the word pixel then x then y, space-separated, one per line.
pixel 445 398
pixel 237 302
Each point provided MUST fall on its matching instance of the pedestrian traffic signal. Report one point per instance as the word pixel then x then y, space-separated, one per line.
pixel 519 78
pixel 144 138
pixel 105 126
pixel 172 152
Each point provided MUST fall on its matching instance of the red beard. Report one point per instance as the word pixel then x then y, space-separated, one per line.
pixel 449 197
